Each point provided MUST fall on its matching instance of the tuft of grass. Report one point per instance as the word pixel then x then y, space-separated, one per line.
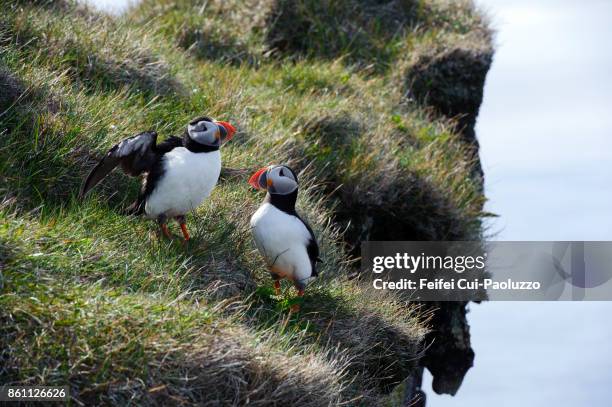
pixel 116 348
pixel 101 303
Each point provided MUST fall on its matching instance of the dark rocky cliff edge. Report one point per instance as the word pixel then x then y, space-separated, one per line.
pixel 373 101
pixel 451 79
pixel 445 73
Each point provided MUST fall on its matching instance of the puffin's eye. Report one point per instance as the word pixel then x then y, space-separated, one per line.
pixel 281 173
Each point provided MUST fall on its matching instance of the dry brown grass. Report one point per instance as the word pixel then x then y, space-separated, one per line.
pixel 117 349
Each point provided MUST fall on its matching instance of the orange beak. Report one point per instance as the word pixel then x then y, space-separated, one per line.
pixel 229 129
pixel 254 181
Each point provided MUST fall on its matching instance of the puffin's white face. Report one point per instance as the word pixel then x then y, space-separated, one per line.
pixel 276 179
pixel 209 132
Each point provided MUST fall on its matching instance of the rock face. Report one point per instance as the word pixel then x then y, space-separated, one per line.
pixel 450 355
pixel 451 81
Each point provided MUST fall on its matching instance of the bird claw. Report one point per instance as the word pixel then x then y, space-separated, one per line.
pixel 185 231
pixel 165 232
pixel 296 307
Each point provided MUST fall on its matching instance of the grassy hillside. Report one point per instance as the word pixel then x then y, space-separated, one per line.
pixel 95 299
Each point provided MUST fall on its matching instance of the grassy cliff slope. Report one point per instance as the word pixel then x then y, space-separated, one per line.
pixel 95 299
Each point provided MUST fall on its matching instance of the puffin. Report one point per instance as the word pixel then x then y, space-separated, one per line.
pixel 178 174
pixel 285 241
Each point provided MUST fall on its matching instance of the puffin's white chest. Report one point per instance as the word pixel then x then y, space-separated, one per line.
pixel 188 178
pixel 281 239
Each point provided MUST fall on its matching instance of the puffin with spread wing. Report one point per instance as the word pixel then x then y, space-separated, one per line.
pixel 179 173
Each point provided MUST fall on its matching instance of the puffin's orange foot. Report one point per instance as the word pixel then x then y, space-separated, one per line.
pixel 296 307
pixel 165 231
pixel 181 221
pixel 277 287
pixel 185 232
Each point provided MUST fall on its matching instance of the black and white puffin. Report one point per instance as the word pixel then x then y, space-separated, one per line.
pixel 179 172
pixel 284 239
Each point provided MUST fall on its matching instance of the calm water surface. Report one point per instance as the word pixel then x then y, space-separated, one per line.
pixel 546 134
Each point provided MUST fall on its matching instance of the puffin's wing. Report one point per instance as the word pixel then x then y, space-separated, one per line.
pixel 313 253
pixel 312 248
pixel 135 154
pixel 169 144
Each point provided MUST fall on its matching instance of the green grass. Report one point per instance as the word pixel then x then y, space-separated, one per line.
pixel 95 299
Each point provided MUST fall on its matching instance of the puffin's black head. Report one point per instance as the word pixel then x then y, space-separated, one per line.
pixel 276 179
pixel 209 132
